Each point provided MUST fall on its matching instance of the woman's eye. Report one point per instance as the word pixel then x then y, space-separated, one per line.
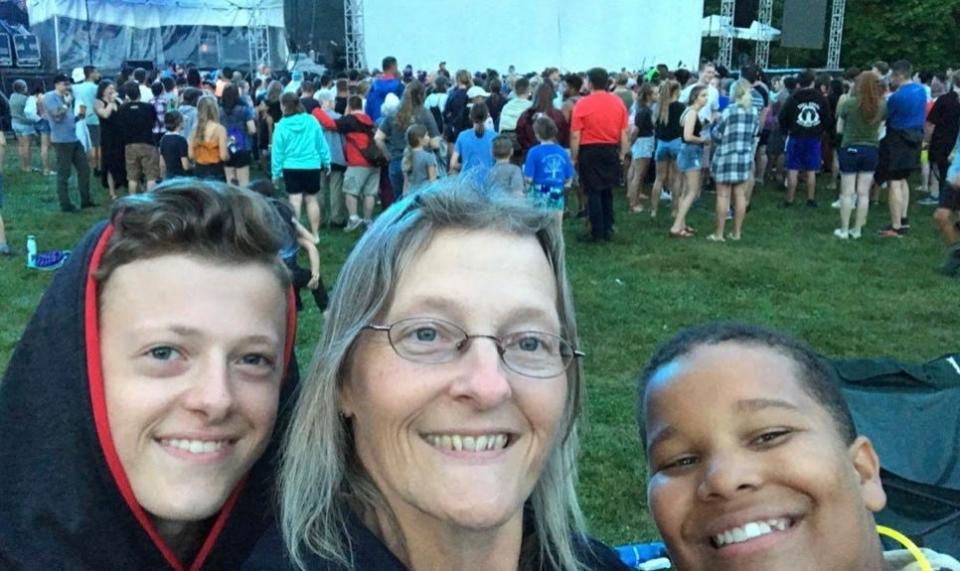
pixel 425 334
pixel 162 353
pixel 529 344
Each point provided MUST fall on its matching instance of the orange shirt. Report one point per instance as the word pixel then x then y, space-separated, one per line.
pixel 600 118
pixel 207 152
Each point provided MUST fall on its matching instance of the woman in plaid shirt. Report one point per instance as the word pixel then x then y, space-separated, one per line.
pixel 735 141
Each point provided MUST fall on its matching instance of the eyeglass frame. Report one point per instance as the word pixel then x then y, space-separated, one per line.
pixel 467 339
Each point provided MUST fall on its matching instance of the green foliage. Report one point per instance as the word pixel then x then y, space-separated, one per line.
pixel 869 297
pixel 925 32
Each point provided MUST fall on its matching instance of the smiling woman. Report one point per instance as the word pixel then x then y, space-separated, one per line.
pixel 437 429
pixel 137 413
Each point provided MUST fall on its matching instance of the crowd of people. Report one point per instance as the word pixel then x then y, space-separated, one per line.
pixel 382 135
pixel 154 415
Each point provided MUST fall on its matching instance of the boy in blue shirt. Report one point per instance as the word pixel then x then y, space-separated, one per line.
pixel 548 168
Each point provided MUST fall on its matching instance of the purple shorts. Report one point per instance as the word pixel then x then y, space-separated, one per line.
pixel 803 154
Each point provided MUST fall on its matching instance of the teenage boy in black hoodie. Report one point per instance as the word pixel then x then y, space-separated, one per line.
pixel 803 118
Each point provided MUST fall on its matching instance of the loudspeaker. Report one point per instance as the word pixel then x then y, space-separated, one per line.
pixel 745 13
pixel 135 63
pixel 804 23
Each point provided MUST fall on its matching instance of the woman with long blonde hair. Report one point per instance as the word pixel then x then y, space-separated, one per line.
pixel 859 119
pixel 208 145
pixel 667 131
pixel 734 136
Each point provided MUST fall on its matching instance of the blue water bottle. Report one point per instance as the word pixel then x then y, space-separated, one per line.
pixel 31 251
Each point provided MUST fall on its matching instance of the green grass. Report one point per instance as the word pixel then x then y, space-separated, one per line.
pixel 871 297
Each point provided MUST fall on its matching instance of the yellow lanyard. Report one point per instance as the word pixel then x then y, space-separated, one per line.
pixel 905 541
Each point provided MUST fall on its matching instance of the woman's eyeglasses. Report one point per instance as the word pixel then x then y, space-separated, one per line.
pixel 434 341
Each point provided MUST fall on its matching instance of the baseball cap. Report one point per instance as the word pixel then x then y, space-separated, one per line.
pixel 477 91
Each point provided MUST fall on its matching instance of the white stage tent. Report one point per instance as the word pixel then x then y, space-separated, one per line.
pixel 534 34
pixel 105 33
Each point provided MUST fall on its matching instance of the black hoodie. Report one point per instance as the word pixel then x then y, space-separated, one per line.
pixel 65 502
pixel 806 113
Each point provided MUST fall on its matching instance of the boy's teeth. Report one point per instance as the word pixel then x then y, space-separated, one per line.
pixel 750 531
pixel 468 443
pixel 195 446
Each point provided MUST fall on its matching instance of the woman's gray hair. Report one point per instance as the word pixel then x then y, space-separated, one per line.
pixel 321 477
pixel 20 86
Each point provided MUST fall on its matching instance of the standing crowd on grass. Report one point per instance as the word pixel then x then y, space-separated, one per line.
pixel 378 136
pixel 154 414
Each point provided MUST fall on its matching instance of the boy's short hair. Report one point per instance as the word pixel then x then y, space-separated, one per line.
pixel 521 86
pixel 131 90
pixel 902 68
pixel 172 120
pixel 355 103
pixel 574 80
pixel 545 129
pixel 812 371
pixel 502 147
pixel 210 220
pixel 598 78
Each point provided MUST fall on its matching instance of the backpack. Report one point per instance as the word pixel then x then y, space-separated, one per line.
pixel 371 153
pixel 236 133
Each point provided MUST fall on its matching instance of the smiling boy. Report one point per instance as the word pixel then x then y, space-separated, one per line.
pixel 753 458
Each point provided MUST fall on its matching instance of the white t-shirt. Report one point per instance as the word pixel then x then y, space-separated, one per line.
pixel 146 94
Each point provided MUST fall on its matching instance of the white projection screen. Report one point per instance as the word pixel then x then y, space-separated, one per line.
pixel 573 35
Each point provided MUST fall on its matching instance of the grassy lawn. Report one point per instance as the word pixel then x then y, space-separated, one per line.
pixel 871 297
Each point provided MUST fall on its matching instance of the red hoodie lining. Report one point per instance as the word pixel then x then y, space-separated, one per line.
pixel 99 403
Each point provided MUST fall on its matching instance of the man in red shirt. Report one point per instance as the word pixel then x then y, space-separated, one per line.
pixel 599 142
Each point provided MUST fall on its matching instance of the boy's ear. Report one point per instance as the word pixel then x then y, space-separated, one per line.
pixel 866 463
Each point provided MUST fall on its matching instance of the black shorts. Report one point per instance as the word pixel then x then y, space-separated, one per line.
pixel 949 197
pixel 210 172
pixel 239 159
pixel 764 137
pixel 302 181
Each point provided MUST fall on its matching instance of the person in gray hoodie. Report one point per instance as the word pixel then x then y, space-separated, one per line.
pixel 332 184
pixel 188 109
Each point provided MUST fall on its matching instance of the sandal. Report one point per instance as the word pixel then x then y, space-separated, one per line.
pixel 690 230
pixel 636 209
pixel 681 234
pixel 732 237
pixel 715 238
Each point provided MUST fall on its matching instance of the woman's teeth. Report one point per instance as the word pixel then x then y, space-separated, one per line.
pixel 750 531
pixel 195 446
pixel 459 443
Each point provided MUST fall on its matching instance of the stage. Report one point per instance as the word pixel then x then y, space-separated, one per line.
pixel 533 34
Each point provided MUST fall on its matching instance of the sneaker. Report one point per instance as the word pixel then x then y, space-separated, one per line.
pixel 835 204
pixel 5 250
pixel 786 204
pixel 929 201
pixel 353 224
pixel 952 266
pixel 68 208
pixel 367 222
pixel 665 196
pixel 729 214
pixel 841 234
pixel 811 203
pixel 855 234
